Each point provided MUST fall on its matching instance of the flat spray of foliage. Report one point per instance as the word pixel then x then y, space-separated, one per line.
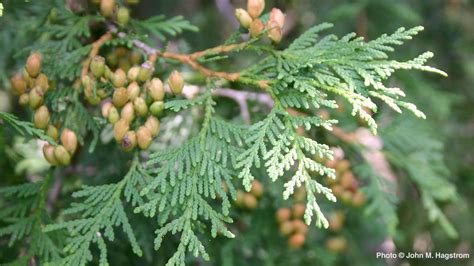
pixel 178 187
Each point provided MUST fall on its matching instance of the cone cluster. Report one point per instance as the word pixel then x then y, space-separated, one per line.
pixel 249 200
pixel 291 224
pixel 249 19
pixel 110 9
pixel 32 85
pixel 136 100
pixel 346 186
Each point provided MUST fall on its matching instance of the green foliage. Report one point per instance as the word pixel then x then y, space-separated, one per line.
pixel 25 128
pixel 100 210
pixel 25 215
pixel 381 195
pixel 188 181
pixel 159 26
pixel 186 189
pixel 421 156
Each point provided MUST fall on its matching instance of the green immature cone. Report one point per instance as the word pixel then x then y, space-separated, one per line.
pixel 123 16
pixel 255 7
pixel 33 65
pixel 36 97
pixel 153 124
pixel 30 82
pixel 42 82
pixel 108 73
pixel 256 27
pixel 243 17
pixel 133 90
pixel 144 138
pixel 129 141
pixel 69 140
pixel 156 90
pixel 119 78
pixel 128 113
pixel 176 82
pixel 52 132
pixel 93 100
pixel 133 72
pixel 41 117
pixel 141 109
pixel 18 84
pixel 62 155
pixel 120 97
pixel 107 7
pixel 97 66
pixel 48 153
pixel 24 99
pixel 157 108
pixel 146 71
pixel 113 116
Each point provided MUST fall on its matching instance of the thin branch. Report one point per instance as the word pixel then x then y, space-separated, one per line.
pixel 191 60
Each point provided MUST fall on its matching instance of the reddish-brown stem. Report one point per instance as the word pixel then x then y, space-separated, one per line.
pixel 190 61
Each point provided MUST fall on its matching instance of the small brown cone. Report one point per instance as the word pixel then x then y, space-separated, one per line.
pixel 33 65
pixel 144 138
pixel 133 90
pixel 133 72
pixel 69 140
pixel 141 109
pixel 155 89
pixel 176 82
pixel 107 7
pixel 42 82
pixel 129 141
pixel 296 241
pixel 105 109
pixel 250 202
pixel 298 210
pixel 36 97
pixel 41 117
pixel 120 97
pixel 62 155
pixel 119 78
pixel 282 215
pixel 48 153
pixel 257 189
pixel 256 27
pixel 128 113
pixel 52 132
pixel 286 228
pixel 120 129
pixel 18 84
pixel 153 124
pixel 255 7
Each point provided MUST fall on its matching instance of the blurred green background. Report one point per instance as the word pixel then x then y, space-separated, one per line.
pixel 448 103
